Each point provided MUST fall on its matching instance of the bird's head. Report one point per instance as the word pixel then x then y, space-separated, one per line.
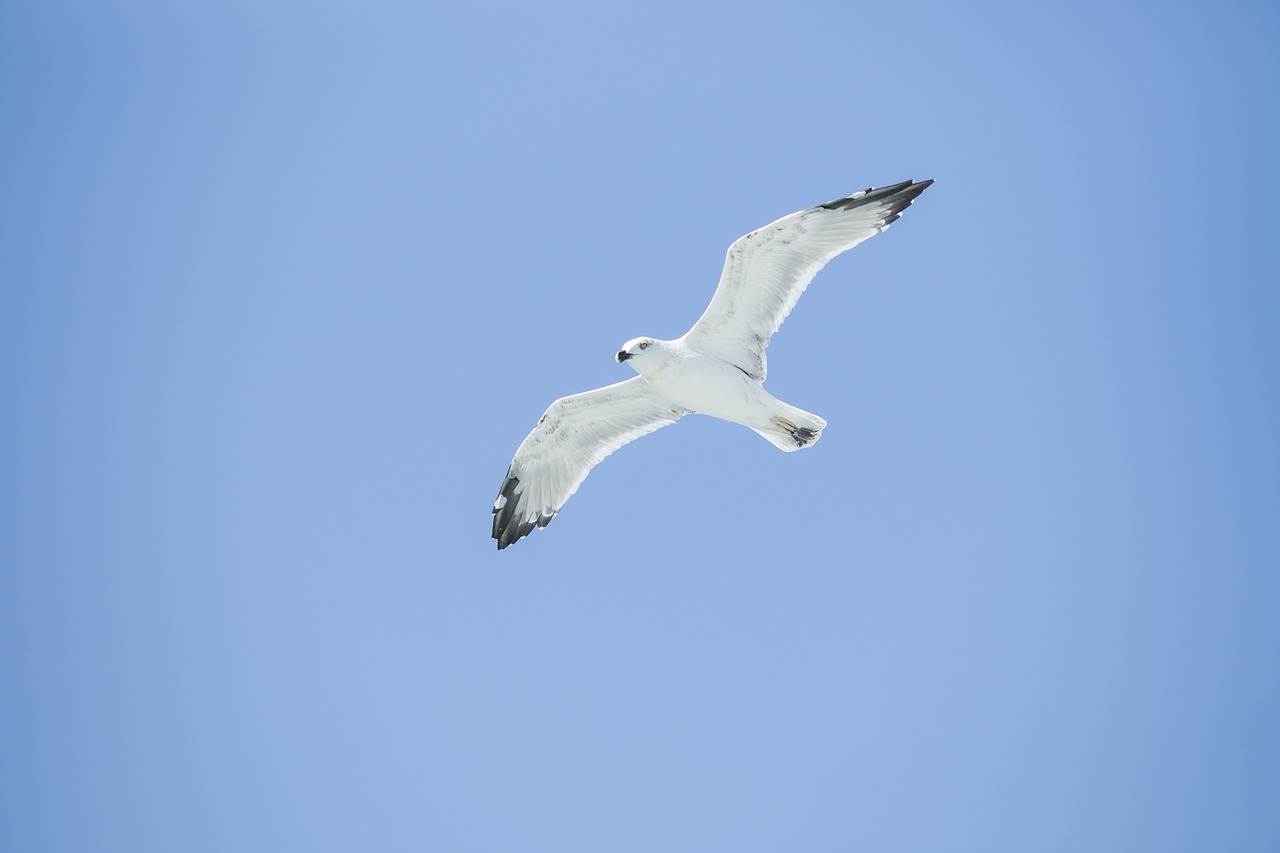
pixel 639 353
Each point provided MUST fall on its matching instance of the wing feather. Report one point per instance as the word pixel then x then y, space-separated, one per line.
pixel 766 271
pixel 574 435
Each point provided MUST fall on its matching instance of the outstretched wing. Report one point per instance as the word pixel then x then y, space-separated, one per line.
pixel 571 438
pixel 766 271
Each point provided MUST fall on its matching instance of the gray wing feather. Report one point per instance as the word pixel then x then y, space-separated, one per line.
pixel 574 435
pixel 766 271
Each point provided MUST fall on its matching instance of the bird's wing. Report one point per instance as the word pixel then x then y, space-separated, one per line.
pixel 571 438
pixel 766 271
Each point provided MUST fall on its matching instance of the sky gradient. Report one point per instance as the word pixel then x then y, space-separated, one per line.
pixel 283 286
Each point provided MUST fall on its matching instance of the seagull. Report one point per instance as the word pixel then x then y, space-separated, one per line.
pixel 717 368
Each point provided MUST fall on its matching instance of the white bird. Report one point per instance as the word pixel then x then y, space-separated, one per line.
pixel 717 368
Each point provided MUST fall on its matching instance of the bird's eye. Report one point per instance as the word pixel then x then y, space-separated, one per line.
pixel 644 345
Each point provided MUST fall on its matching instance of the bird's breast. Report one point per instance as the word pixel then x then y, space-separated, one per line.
pixel 709 386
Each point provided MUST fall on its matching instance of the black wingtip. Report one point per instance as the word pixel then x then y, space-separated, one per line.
pixel 507 528
pixel 504 512
pixel 897 196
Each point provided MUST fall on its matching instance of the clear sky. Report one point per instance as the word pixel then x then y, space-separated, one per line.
pixel 283 286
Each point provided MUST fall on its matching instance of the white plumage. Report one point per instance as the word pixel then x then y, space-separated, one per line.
pixel 717 368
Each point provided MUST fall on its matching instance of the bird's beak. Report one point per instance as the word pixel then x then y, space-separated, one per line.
pixel 623 356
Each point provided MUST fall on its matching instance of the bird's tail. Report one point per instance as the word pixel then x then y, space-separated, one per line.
pixel 792 429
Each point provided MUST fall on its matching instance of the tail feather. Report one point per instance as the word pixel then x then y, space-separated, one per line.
pixel 793 429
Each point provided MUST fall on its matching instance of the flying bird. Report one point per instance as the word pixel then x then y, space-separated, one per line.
pixel 717 368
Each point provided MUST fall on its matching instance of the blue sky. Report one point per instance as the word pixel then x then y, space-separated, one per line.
pixel 283 286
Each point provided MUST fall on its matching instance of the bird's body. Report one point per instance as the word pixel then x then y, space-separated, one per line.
pixel 717 368
pixel 709 385
pixel 699 383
